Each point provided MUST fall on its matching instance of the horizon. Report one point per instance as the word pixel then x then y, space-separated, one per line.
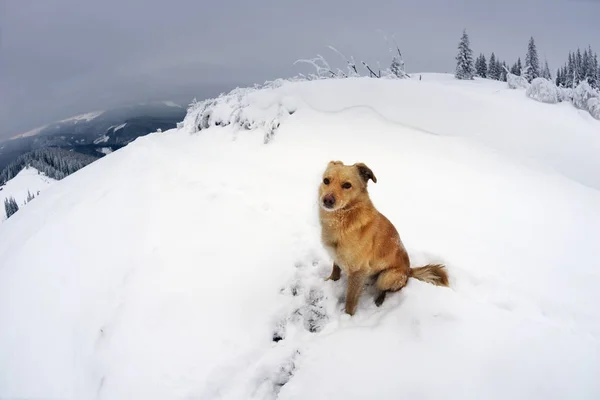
pixel 63 76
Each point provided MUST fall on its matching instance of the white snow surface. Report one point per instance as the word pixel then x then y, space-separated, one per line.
pixel 163 270
pixel 29 179
pixel 102 139
pixel 84 117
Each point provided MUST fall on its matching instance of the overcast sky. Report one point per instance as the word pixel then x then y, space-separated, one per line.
pixel 63 57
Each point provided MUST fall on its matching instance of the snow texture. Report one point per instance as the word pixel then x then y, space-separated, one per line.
pixel 188 265
pixel 543 90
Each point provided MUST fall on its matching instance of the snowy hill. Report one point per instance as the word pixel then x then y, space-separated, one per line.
pixel 29 180
pixel 188 264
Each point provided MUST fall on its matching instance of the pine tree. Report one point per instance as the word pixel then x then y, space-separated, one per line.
pixel 10 206
pixel 586 66
pixel 514 69
pixel 493 67
pixel 570 75
pixel 29 196
pixel 532 62
pixel 464 59
pixel 558 81
pixel 595 72
pixel 546 71
pixel 519 66
pixel 481 66
pixel 578 68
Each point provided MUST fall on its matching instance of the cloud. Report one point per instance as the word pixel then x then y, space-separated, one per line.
pixel 62 57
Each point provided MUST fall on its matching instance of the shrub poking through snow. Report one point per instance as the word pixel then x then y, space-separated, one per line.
pixel 543 90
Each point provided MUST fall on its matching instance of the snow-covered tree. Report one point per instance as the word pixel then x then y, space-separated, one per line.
pixel 570 75
pixel 514 69
pixel 10 206
pixel 532 61
pixel 30 196
pixel 546 71
pixel 493 67
pixel 595 73
pixel 465 68
pixel 558 80
pixel 519 66
pixel 481 66
pixel 543 90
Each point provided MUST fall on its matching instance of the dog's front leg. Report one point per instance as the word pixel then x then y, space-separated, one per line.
pixel 335 273
pixel 355 285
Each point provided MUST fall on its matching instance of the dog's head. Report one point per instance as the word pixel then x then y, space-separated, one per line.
pixel 342 185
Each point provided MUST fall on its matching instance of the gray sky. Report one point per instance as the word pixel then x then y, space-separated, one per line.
pixel 63 57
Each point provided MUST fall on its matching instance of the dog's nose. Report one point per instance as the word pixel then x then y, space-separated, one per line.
pixel 329 200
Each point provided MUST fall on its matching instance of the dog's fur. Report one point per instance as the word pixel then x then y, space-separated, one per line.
pixel 362 241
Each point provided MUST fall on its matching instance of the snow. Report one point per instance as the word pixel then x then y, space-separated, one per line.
pixel 543 90
pixel 32 132
pixel 170 103
pixel 165 270
pixel 83 117
pixel 29 179
pixel 102 139
pixel 119 127
pixel 105 150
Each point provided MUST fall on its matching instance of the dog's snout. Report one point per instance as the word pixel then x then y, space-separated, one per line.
pixel 329 200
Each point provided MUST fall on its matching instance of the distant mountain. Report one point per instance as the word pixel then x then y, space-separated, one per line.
pixel 96 133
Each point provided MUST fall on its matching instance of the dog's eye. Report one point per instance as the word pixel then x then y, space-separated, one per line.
pixel 326 181
pixel 347 185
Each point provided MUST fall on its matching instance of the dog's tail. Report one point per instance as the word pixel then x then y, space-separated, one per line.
pixel 431 273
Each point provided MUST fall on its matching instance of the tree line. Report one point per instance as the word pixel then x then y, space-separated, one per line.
pixel 53 162
pixel 578 68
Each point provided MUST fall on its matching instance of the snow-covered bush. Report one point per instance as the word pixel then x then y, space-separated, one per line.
pixel 247 108
pixel 516 81
pixel 582 93
pixel 543 90
pixel 593 106
pixel 565 94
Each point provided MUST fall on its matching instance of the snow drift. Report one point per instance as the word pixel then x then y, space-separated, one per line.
pixel 188 264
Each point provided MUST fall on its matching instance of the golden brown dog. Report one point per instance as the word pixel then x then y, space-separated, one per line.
pixel 362 241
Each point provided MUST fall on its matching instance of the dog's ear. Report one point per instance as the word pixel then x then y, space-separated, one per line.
pixel 332 162
pixel 365 172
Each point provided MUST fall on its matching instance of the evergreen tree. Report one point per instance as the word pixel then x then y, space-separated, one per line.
pixel 532 62
pixel 595 72
pixel 586 66
pixel 558 81
pixel 493 67
pixel 546 71
pixel 481 66
pixel 578 68
pixel 464 59
pixel 10 206
pixel 53 162
pixel 519 66
pixel 29 196
pixel 514 69
pixel 498 70
pixel 570 75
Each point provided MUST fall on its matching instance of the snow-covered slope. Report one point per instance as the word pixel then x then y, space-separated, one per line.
pixel 188 264
pixel 29 180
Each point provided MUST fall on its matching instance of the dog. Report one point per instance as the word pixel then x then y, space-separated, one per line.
pixel 361 241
